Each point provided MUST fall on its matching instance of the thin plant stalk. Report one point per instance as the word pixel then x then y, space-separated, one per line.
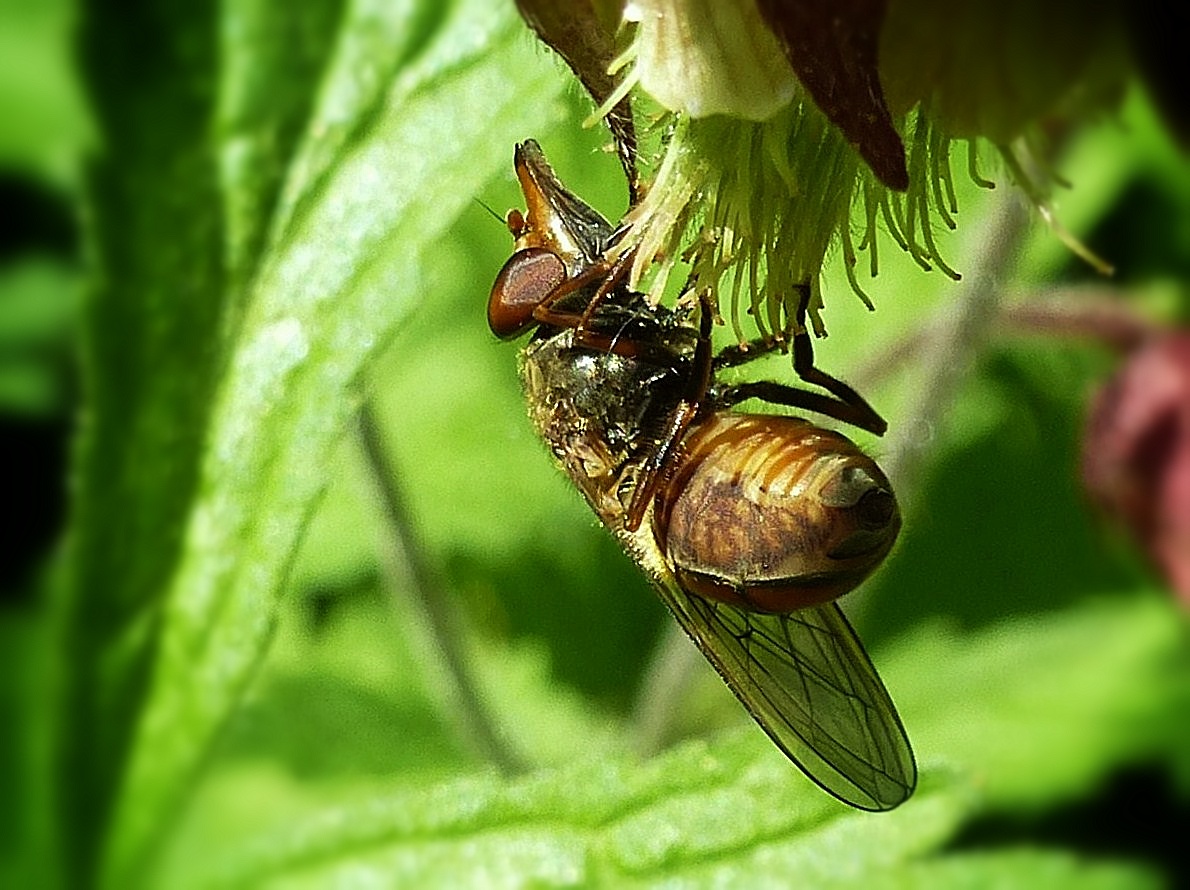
pixel 435 626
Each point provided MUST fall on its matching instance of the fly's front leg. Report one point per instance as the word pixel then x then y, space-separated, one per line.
pixel 548 312
pixel 610 276
pixel 613 276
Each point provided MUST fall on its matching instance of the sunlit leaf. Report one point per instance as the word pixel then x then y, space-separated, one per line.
pixel 1042 708
pixel 213 410
pixel 270 203
pixel 729 813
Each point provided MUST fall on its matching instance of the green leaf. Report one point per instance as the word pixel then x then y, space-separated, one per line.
pixel 41 105
pixel 1041 709
pixel 1025 714
pixel 26 819
pixel 1013 868
pixel 273 61
pixel 38 301
pixel 730 813
pixel 268 210
pixel 226 330
pixel 153 352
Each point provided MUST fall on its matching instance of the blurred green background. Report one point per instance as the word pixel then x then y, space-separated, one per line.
pixel 225 229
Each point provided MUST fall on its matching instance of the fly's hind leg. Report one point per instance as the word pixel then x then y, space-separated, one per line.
pixel 843 403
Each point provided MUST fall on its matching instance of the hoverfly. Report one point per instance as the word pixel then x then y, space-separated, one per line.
pixel 749 525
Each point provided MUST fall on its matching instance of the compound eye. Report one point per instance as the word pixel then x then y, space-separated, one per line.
pixel 525 282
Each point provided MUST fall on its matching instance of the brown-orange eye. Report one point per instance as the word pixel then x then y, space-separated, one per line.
pixel 527 279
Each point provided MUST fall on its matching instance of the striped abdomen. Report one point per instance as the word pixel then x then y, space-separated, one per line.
pixel 773 513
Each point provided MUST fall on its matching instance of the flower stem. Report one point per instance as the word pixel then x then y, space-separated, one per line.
pixel 436 628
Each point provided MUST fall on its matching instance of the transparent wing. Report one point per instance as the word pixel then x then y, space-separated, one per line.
pixel 807 681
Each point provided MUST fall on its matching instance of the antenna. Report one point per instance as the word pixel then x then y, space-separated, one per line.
pixel 488 208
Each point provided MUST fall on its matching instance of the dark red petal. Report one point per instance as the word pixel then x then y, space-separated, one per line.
pixel 1136 453
pixel 832 48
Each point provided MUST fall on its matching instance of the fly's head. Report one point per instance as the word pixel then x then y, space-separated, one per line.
pixel 558 238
